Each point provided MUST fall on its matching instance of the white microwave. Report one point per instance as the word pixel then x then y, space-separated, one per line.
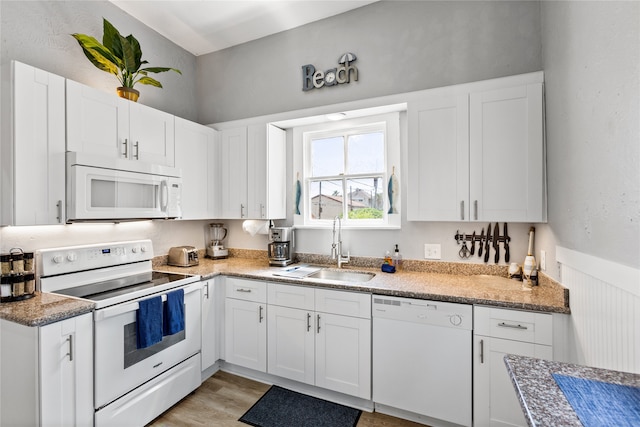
pixel 108 189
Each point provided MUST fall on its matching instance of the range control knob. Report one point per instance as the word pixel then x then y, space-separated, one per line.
pixel 71 256
pixel 134 250
pixel 57 259
pixel 143 248
pixel 455 320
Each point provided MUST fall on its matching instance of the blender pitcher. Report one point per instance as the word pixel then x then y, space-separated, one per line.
pixel 217 233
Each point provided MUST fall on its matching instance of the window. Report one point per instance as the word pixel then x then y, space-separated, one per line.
pixel 345 172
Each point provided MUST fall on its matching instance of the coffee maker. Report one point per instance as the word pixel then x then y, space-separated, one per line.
pixel 281 244
pixel 217 234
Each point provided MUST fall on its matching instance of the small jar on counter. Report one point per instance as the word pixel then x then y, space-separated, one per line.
pixel 17 261
pixel 29 283
pixel 5 263
pixel 6 282
pixel 17 287
pixel 28 261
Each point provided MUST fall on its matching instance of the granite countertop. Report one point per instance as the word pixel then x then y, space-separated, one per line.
pixel 542 401
pixel 44 308
pixel 466 288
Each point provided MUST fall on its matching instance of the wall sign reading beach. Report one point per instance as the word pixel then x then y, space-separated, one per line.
pixel 312 79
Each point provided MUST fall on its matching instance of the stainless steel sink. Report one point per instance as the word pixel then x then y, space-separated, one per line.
pixel 341 276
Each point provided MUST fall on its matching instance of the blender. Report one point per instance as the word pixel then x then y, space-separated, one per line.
pixel 217 234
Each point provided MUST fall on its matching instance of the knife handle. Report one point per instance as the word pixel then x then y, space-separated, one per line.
pixel 497 258
pixel 486 254
pixel 506 251
pixel 480 247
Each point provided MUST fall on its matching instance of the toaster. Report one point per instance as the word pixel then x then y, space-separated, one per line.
pixel 183 256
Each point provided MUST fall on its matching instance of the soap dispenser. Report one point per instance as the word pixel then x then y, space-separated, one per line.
pixel 397 259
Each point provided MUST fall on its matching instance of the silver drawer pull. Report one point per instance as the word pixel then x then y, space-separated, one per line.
pixel 506 325
pixel 243 290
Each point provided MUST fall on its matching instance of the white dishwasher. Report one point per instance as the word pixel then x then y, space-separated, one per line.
pixel 422 358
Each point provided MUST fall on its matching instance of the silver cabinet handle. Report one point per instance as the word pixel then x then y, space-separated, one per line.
pixel 70 354
pixel 318 320
pixel 59 208
pixel 241 210
pixel 475 209
pixel 462 210
pixel 206 286
pixel 137 147
pixel 126 148
pixel 261 210
pixel 243 290
pixel 308 322
pixel 260 317
pixel 481 351
pixel 507 325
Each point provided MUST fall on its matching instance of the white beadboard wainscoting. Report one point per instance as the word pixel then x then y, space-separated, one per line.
pixel 605 311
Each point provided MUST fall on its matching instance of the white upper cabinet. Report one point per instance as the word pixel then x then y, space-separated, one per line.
pixel 196 157
pixel 233 173
pixel 476 152
pixel 107 125
pixel 252 172
pixel 33 157
pixel 507 164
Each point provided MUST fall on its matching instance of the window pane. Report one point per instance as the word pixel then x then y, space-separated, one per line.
pixel 327 156
pixel 325 199
pixel 365 198
pixel 366 153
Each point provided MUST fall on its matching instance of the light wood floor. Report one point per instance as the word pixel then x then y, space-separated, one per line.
pixel 224 397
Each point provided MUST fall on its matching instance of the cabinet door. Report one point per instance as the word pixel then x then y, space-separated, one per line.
pixel 210 323
pixel 507 179
pixel 290 341
pixel 495 400
pixel 343 354
pixel 233 173
pixel 246 334
pixel 66 372
pixel 266 156
pixel 438 166
pixel 151 135
pixel 195 156
pixel 38 184
pixel 97 122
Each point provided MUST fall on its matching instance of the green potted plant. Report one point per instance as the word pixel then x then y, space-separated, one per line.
pixel 122 57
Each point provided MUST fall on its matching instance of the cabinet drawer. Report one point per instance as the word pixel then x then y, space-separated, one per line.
pixel 248 290
pixel 290 296
pixel 515 325
pixel 355 304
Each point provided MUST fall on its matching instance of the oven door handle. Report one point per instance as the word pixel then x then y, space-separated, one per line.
pixel 117 310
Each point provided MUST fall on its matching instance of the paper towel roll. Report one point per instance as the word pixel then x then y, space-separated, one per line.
pixel 254 227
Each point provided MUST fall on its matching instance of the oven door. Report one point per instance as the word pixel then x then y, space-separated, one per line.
pixel 120 366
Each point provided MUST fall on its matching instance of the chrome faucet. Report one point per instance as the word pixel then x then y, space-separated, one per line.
pixel 337 252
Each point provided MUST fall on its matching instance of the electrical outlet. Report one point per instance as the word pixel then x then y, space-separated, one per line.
pixel 543 260
pixel 432 251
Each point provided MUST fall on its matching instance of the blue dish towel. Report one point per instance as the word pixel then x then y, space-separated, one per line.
pixel 173 319
pixel 149 322
pixel 597 403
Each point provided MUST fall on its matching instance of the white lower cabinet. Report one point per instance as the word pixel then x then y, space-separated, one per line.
pixel 211 321
pixel 246 323
pixel 320 337
pixel 499 332
pixel 47 373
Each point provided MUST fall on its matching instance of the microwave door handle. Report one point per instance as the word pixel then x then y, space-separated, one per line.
pixel 164 196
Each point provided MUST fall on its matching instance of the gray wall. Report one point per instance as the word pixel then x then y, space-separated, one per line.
pixel 592 72
pixel 401 46
pixel 38 33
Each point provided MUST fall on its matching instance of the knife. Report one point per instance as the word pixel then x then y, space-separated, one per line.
pixel 486 248
pixel 481 243
pixel 496 243
pixel 506 244
pixel 473 243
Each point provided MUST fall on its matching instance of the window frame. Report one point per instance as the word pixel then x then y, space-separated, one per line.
pixel 389 125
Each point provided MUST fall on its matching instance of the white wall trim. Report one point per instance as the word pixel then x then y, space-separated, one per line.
pixel 618 275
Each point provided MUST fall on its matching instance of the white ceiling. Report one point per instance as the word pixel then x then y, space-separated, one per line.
pixel 204 26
